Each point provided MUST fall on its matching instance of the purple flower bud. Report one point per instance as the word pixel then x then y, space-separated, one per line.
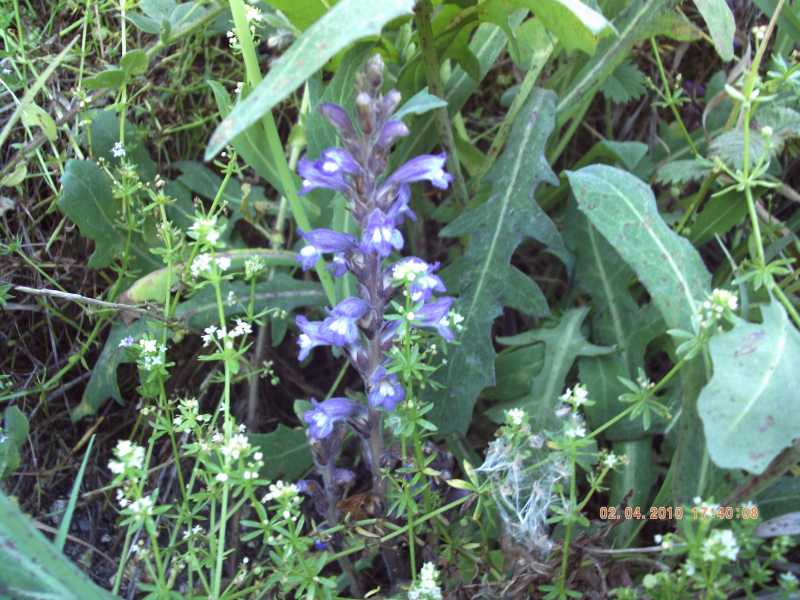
pixel 428 167
pixel 324 415
pixel 400 209
pixel 320 546
pixel 324 173
pixel 337 158
pixel 391 101
pixel 338 266
pixel 434 315
pixel 328 240
pixel 338 117
pixel 311 336
pixel 366 116
pixel 385 390
pixel 340 326
pixel 390 133
pixel 344 477
pixel 380 234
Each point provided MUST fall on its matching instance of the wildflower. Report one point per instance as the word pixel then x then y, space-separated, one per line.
pixel 435 314
pixel 721 543
pixel 324 415
pixel 127 342
pixel 426 167
pixel 322 241
pixel 419 276
pixel 252 13
pixel 128 456
pixel 311 336
pixel 253 266
pixel 381 234
pixel 385 390
pixel 204 229
pixel 575 427
pixel 323 173
pixel 515 417
pixel 221 477
pixel 426 587
pixel 118 150
pixel 242 328
pixel 141 508
pixel 340 325
pixel 280 490
pixel 236 446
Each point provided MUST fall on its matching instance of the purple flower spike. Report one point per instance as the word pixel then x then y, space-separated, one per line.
pixel 311 336
pixel 322 173
pixel 339 118
pixel 322 418
pixel 340 326
pixel 381 234
pixel 328 240
pixel 391 132
pixel 385 390
pixel 434 314
pixel 428 167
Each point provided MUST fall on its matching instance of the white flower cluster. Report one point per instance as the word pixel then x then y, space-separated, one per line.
pixel 721 543
pixel 516 417
pixel 575 427
pixel 236 447
pixel 576 397
pixel 213 333
pixel 118 150
pixel 203 263
pixel 426 587
pixel 189 416
pixel 206 231
pixel 719 304
pixel 282 491
pixel 141 508
pixel 129 456
pixel 151 353
pixel 407 271
pixel 253 266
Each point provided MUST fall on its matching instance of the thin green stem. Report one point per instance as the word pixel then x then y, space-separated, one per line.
pixel 670 99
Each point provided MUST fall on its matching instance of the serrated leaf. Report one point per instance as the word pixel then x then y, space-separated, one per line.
pixel 419 104
pixel 626 83
pixel 683 171
pixel 346 22
pixel 31 567
pixel 744 405
pixel 623 209
pixel 721 25
pixel 496 228
pixel 563 344
pixel 729 147
pixel 286 451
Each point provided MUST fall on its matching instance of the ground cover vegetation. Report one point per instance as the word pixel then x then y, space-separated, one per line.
pixel 401 299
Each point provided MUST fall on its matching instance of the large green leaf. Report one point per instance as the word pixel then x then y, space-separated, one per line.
pixel 286 452
pixel 577 26
pixel 301 13
pixel 486 280
pixel 196 313
pixel 746 406
pixel 721 25
pixel 31 567
pixel 624 211
pixel 87 200
pixel 348 21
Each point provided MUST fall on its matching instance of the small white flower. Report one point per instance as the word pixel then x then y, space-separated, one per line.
pixel 200 265
pixel 118 150
pixel 721 543
pixel 252 14
pixel 127 342
pixel 575 428
pixel 221 477
pixel 224 263
pixel 515 417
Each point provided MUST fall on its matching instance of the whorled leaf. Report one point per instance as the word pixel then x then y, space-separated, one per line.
pixel 486 280
pixel 346 22
pixel 746 406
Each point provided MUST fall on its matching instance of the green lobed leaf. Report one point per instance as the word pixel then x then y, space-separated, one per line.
pixel 563 344
pixel 486 280
pixel 31 567
pixel 744 408
pixel 683 171
pixel 625 83
pixel 346 22
pixel 721 25
pixel 286 452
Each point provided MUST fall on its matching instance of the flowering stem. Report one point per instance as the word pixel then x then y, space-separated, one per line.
pixel 573 492
pixel 422 18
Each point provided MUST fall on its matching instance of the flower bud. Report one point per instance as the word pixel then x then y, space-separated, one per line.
pixel 374 71
pixel 365 112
